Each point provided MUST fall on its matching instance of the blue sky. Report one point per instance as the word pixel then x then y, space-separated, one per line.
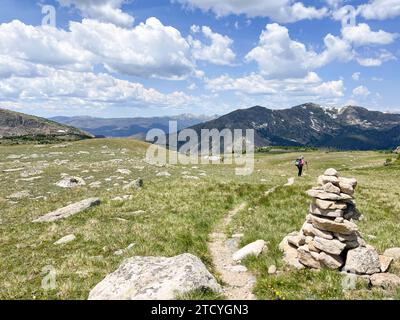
pixel 160 57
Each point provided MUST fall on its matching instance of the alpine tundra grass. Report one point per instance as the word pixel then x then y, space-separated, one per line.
pixel 172 214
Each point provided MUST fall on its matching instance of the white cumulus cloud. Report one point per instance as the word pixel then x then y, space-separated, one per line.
pixel 277 55
pixel 361 91
pixel 218 52
pixel 102 10
pixel 278 10
pixel 362 34
pixel 380 9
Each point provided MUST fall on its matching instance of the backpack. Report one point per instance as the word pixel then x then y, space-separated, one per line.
pixel 297 163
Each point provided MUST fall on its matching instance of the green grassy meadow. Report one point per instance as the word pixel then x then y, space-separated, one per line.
pixel 173 215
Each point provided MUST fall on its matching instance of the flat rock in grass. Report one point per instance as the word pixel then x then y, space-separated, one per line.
pixel 309 230
pixel 393 253
pixel 66 239
pixel 362 261
pixel 163 174
pixel 334 247
pixel 325 212
pixel 19 195
pixel 136 184
pixel 331 172
pixel 345 227
pixel 255 248
pixel 155 278
pixel 321 194
pixel 385 280
pixel 124 171
pixel 329 205
pixel 70 210
pixel 70 182
pixel 13 170
pixel 331 261
pixel 385 262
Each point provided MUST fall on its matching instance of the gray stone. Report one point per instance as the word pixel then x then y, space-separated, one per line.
pixel 362 261
pixel 385 280
pixel 255 248
pixel 325 213
pixel 70 210
pixel 334 247
pixel 346 227
pixel 393 253
pixel 155 278
pixel 66 239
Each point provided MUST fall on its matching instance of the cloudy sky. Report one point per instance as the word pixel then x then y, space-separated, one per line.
pixel 158 57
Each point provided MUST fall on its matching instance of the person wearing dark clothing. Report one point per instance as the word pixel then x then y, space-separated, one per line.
pixel 300 163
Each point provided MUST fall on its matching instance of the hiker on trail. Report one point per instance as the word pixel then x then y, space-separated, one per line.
pixel 300 163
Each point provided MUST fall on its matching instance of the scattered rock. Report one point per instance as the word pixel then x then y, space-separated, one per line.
pixel 191 177
pixel 19 195
pixel 254 248
pixel 239 269
pixel 155 278
pixel 137 184
pixel 66 239
pixel 290 182
pixel 124 171
pixel 70 210
pixel 163 174
pixel 71 182
pixel 272 269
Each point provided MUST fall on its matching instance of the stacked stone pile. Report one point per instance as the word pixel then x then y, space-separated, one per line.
pixel 330 238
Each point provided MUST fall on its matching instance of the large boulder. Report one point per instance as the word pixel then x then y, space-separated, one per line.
pixel 70 210
pixel 362 260
pixel 155 278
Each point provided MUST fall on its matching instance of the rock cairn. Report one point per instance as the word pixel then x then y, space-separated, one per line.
pixel 329 238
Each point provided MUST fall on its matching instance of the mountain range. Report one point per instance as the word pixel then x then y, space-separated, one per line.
pixel 309 124
pixel 22 127
pixel 130 127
